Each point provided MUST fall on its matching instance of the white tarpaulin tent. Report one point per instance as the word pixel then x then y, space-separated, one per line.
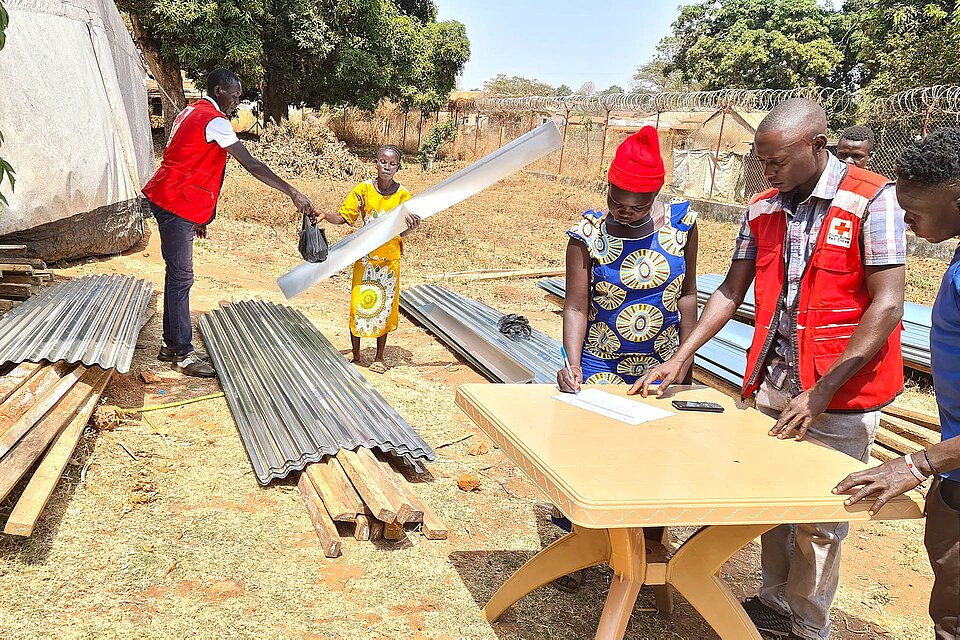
pixel 73 112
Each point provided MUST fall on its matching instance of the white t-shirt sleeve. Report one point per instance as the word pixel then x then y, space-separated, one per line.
pixel 219 130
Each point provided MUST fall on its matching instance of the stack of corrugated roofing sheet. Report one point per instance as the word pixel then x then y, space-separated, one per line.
pixel 294 397
pixel 724 356
pixel 540 354
pixel 93 320
pixel 916 321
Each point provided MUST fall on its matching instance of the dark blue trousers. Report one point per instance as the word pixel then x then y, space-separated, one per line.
pixel 176 247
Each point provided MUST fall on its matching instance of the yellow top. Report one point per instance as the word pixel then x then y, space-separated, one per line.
pixel 687 469
pixel 366 204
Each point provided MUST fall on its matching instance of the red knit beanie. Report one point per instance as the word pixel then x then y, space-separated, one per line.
pixel 637 166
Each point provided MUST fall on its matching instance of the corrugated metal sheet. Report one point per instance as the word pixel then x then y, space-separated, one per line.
pixel 94 320
pixel 293 396
pixel 540 354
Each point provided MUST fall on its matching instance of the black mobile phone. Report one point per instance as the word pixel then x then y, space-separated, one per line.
pixel 687 405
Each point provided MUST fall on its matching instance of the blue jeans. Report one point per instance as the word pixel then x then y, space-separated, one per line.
pixel 176 247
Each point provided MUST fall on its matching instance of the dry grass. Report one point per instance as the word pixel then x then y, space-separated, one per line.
pixel 183 542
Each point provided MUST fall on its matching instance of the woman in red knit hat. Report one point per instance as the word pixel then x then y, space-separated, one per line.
pixel 631 279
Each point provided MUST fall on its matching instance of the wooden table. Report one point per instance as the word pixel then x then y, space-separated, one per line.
pixel 721 472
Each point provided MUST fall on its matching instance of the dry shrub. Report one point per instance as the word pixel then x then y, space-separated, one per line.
pixel 307 150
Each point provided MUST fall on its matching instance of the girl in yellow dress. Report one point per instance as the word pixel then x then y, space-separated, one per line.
pixel 375 299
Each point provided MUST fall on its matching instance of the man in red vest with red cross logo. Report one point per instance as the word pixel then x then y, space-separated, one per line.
pixel 183 197
pixel 826 246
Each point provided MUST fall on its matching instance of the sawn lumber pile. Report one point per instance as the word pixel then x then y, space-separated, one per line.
pixel 43 411
pixel 20 277
pixel 360 494
pixel 903 431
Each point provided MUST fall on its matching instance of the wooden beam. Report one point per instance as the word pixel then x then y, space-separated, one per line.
pixel 24 397
pixel 341 499
pixel 362 530
pixel 922 418
pixel 326 530
pixel 26 513
pixel 883 454
pixel 9 250
pixel 707 378
pixel 367 486
pixel 500 274
pixel 393 531
pixel 12 268
pixel 915 433
pixel 432 527
pixel 376 530
pixel 554 299
pixel 16 378
pixel 32 415
pixel 387 479
pixel 896 442
pixel 22 455
pixel 17 291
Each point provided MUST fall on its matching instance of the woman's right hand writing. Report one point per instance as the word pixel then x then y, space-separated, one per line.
pixel 570 383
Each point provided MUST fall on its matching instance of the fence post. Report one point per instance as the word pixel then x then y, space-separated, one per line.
pixel 603 141
pixel 404 142
pixel 501 135
pixel 566 121
pixel 419 129
pixel 716 158
pixel 476 138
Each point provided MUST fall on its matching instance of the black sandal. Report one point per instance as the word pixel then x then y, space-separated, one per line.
pixel 570 583
pixel 766 619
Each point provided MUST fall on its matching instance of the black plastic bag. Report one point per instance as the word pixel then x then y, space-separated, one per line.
pixel 515 325
pixel 313 242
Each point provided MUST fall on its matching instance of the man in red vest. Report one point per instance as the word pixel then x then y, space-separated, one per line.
pixel 183 197
pixel 827 248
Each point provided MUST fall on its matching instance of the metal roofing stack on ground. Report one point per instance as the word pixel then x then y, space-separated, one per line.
pixel 294 397
pixel 540 354
pixel 94 320
pixel 916 321
pixel 724 356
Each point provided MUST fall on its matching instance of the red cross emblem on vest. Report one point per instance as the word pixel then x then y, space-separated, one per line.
pixel 840 233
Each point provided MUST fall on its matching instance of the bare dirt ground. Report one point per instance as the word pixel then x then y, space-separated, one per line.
pixel 176 538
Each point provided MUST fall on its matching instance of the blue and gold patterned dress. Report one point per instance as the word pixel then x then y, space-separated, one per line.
pixel 635 287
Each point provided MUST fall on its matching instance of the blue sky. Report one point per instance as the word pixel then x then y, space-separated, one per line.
pixel 560 42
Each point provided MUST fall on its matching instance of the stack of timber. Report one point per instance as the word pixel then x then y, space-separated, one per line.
pixel 20 277
pixel 904 430
pixel 43 411
pixel 360 494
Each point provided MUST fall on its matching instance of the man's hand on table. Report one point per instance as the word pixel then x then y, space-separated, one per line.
pixel 672 371
pixel 800 413
pixel 890 480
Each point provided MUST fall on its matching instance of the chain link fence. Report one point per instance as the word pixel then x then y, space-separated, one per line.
pixel 706 138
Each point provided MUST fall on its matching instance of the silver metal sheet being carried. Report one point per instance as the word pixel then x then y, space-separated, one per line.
pixel 93 320
pixel 293 396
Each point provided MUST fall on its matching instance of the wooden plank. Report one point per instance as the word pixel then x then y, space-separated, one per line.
pixel 25 451
pixel 367 486
pixel 7 305
pixel 11 250
pixel 341 499
pixel 896 442
pixel 432 527
pixel 33 262
pixel 376 530
pixel 386 478
pixel 922 418
pixel 13 268
pixel 707 378
pixel 21 279
pixel 883 454
pixel 499 274
pixel 23 398
pixel 326 530
pixel 26 513
pixel 362 530
pixel 16 291
pixel 393 531
pixel 43 404
pixel 16 378
pixel 554 299
pixel 909 430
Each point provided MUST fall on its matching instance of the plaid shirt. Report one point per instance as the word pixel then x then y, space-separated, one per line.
pixel 882 241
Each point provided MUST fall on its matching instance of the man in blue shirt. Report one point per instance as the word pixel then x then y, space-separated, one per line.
pixel 928 188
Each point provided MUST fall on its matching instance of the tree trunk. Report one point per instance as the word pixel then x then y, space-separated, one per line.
pixel 276 102
pixel 166 72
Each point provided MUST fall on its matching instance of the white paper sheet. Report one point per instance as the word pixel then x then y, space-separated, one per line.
pixel 615 407
pixel 478 176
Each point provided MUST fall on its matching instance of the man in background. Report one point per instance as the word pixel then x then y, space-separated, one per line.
pixel 856 146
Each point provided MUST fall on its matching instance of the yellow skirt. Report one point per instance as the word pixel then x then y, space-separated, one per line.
pixel 375 299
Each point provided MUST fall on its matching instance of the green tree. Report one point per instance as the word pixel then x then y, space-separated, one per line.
pixel 660 74
pixel 773 44
pixel 517 87
pixel 563 90
pixel 614 88
pixel 6 171
pixel 912 43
